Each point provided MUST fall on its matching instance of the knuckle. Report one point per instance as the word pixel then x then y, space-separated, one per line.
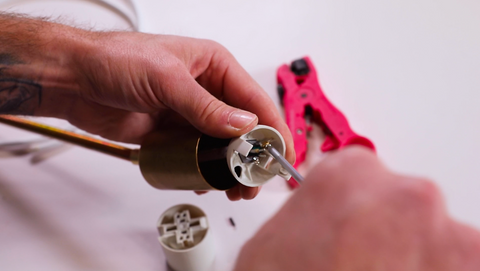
pixel 215 45
pixel 348 158
pixel 218 50
pixel 208 109
pixel 344 170
pixel 168 64
pixel 422 193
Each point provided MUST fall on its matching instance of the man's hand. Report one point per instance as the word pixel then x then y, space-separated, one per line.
pixel 354 214
pixel 139 81
pixel 123 85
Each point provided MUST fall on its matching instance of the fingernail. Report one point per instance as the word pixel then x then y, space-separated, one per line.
pixel 240 119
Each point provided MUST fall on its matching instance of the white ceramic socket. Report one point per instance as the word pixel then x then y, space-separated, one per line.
pixel 256 173
pixel 186 238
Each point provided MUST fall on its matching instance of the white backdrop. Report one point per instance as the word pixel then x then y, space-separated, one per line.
pixel 405 73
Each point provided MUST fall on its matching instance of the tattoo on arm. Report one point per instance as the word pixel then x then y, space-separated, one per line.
pixel 19 97
pixel 8 59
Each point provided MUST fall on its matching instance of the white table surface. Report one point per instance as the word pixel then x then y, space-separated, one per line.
pixel 405 73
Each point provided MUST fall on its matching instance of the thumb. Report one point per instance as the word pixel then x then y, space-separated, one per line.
pixel 205 112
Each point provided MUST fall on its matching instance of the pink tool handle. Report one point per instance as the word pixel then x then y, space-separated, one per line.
pixel 301 91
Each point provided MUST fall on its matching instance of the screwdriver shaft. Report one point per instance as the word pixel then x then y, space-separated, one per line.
pixel 285 164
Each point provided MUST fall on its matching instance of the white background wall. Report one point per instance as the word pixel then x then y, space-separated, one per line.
pixel 405 73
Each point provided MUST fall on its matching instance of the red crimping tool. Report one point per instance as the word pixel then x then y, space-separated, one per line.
pixel 302 96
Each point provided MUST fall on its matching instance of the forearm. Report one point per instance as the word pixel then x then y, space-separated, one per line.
pixel 37 65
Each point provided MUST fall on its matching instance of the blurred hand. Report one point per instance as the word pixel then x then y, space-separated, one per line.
pixel 354 214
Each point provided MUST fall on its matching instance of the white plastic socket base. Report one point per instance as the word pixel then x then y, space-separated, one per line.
pixel 256 173
pixel 186 239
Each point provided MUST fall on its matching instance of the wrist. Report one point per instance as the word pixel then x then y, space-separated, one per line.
pixel 37 61
pixel 56 68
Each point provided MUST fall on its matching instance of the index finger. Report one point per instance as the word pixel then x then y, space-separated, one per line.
pixel 238 89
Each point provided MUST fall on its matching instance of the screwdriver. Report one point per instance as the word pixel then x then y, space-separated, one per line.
pixel 285 164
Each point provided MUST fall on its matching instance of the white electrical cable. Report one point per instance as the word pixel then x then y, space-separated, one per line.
pixel 127 11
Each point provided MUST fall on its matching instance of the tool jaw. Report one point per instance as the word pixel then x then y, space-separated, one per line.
pixel 305 103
